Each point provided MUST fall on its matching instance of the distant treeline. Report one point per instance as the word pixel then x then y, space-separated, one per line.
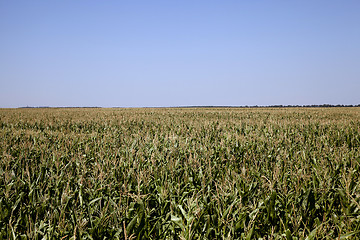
pixel 253 106
pixel 277 106
pixel 56 107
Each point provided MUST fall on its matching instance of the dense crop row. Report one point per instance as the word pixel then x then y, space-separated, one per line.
pixel 180 173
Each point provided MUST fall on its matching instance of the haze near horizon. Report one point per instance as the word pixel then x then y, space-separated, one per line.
pixel 166 53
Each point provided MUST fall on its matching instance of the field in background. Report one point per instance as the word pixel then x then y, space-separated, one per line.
pixel 180 173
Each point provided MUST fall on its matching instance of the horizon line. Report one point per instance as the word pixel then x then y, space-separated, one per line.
pixel 206 106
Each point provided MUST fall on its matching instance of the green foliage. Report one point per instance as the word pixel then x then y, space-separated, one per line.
pixel 180 173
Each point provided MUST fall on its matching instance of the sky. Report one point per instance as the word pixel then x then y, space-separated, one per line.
pixel 179 53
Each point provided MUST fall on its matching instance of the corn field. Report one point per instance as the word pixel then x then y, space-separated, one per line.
pixel 180 173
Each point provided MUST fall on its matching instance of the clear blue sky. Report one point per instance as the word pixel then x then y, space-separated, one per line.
pixel 177 53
